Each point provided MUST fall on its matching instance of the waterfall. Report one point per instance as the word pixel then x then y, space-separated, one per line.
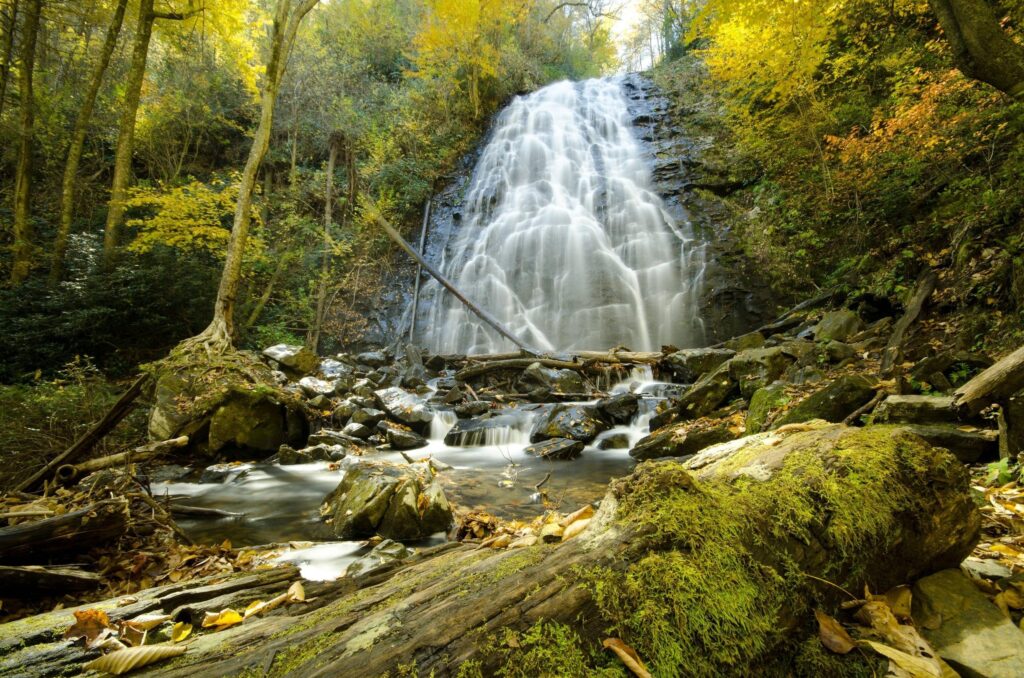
pixel 562 237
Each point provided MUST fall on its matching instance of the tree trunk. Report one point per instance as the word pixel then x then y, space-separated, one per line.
pixel 5 68
pixel 67 204
pixel 64 536
pixel 1003 379
pixel 22 247
pixel 126 131
pixel 313 339
pixel 981 48
pixel 218 335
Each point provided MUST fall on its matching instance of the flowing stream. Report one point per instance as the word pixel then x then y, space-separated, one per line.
pixel 562 237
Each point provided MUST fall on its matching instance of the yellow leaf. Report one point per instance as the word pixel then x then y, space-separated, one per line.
pixel 255 607
pixel 180 632
pixel 296 594
pixel 222 619
pixel 916 667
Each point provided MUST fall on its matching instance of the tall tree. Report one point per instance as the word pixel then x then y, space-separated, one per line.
pixel 982 48
pixel 10 24
pixel 288 14
pixel 67 203
pixel 22 248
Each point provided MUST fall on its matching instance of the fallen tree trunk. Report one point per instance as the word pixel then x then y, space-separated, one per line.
pixel 65 536
pixel 467 373
pixel 31 580
pixel 69 473
pixel 705 568
pixel 611 357
pixel 894 348
pixel 1000 381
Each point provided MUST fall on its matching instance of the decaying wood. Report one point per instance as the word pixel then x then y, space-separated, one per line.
pixel 894 349
pixel 66 536
pixel 476 370
pixel 85 443
pixel 31 580
pixel 998 382
pixel 68 473
pixel 864 409
pixel 611 357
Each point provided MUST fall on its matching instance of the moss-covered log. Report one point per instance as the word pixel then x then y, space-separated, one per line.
pixel 707 568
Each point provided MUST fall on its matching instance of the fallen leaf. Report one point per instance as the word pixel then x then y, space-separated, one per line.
pixel 628 656
pixel 123 661
pixel 917 667
pixel 296 593
pixel 180 632
pixel 833 636
pixel 88 624
pixel 222 619
pixel 147 621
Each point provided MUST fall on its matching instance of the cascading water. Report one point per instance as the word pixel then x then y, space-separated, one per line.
pixel 563 239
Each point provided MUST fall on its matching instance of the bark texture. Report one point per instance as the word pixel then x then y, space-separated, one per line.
pixel 982 49
pixel 22 248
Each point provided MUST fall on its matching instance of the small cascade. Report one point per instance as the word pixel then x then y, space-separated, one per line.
pixel 562 237
pixel 442 423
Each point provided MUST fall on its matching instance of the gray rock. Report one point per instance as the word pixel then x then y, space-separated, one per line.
pixel 746 341
pixel 980 568
pixel 915 409
pixel 372 359
pixel 577 422
pixel 764 403
pixel 473 408
pixel 966 629
pixel 682 440
pixel 400 437
pixel 357 430
pixel 802 351
pixel 313 387
pixel 405 407
pixel 223 473
pixel 396 502
pixel 708 393
pixel 691 364
pixel 556 448
pixel 344 411
pixel 619 409
pixel 837 351
pixel 249 423
pixel 297 359
pixel 330 437
pixel 363 388
pixel 968 446
pixel 756 368
pixel 838 326
pixel 366 416
pixel 613 441
pixel 287 456
pixel 556 381
pixel 387 551
pixel 334 369
pixel 834 403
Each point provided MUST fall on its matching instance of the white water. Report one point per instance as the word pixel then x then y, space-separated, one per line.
pixel 563 239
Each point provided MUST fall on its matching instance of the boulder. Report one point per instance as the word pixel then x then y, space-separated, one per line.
pixel 312 387
pixel 804 352
pixel 746 341
pixel 401 437
pixel 334 369
pixel 965 628
pixel 405 407
pixel 967 444
pixel 397 502
pixel 764 403
pixel 343 411
pixel 474 408
pixel 755 368
pixel 367 416
pixel 682 440
pixel 708 393
pixel 250 423
pixel 293 359
pixel 556 381
pixel 363 388
pixel 834 403
pixel 691 364
pixel 556 448
pixel 838 326
pixel 577 422
pixel 357 430
pixel 287 455
pixel 619 409
pixel 372 359
pixel 493 428
pixel 612 440
pixel 330 437
pixel 915 409
pixel 386 552
pixel 837 351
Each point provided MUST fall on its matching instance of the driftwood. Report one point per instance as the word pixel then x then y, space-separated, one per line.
pixel 447 284
pixel 69 473
pixel 436 611
pixel 467 373
pixel 995 384
pixel 30 580
pixel 85 443
pixel 894 349
pixel 64 536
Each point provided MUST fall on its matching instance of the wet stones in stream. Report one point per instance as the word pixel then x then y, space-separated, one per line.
pixel 619 409
pixel 405 407
pixel 287 455
pixel 488 429
pixel 577 422
pixel 400 502
pixel 556 448
pixel 401 437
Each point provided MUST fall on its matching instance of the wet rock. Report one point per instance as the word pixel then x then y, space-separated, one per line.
pixel 249 423
pixel 367 417
pixel 833 403
pixel 357 430
pixel 764 403
pixel 331 438
pixel 682 440
pixel 334 369
pixel 492 428
pixel 405 407
pixel 344 410
pixel 756 368
pixel 915 409
pixel 474 408
pixel 803 352
pixel 968 446
pixel 363 388
pixel 619 409
pixel 613 441
pixel 838 326
pixel 746 341
pixel 372 359
pixel 837 351
pixel 400 437
pixel 312 387
pixel 294 359
pixel 387 551
pixel 223 473
pixel 553 380
pixel 556 448
pixel 396 502
pixel 965 628
pixel 691 364
pixel 287 455
pixel 577 422
pixel 707 394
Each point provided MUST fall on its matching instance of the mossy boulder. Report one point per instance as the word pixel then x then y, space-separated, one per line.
pixel 838 326
pixel 764 403
pixel 554 380
pixel 834 403
pixel 691 364
pixel 293 360
pixel 707 394
pixel 576 422
pixel 683 439
pixel 757 367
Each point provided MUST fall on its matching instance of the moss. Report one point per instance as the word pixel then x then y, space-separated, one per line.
pixel 811 660
pixel 301 655
pixel 705 595
pixel 549 650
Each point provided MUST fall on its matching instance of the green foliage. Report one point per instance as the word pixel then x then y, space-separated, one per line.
pixel 548 650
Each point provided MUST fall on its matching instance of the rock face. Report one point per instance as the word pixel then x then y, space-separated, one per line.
pixel 405 407
pixel 556 448
pixel 966 629
pixel 833 403
pixel 396 502
pixel 295 359
pixel 576 422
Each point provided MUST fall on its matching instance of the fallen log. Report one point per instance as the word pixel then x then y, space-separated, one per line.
pixel 611 357
pixel 30 580
pixel 66 536
pixel 68 473
pixel 708 567
pixel 1003 379
pixel 894 348
pixel 96 433
pixel 476 370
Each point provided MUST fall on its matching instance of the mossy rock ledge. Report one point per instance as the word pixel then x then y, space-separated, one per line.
pixel 710 567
